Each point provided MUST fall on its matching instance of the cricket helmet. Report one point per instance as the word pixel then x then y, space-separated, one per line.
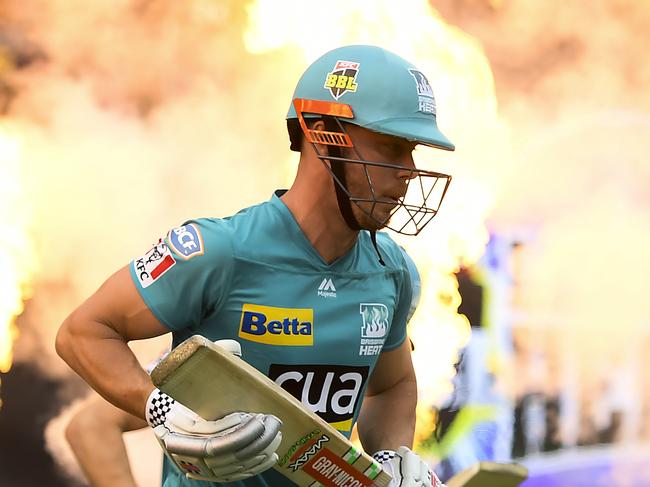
pixel 386 93
pixel 377 90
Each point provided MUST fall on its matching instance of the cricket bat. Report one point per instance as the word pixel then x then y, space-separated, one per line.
pixel 213 383
pixel 490 474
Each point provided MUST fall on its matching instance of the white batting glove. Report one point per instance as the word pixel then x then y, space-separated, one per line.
pixel 407 469
pixel 235 447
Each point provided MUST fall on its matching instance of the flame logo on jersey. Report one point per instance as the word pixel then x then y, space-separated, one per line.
pixel 342 79
pixel 375 320
pixel 374 327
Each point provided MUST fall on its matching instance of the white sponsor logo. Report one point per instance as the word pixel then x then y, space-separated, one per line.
pixel 374 327
pixel 334 396
pixel 426 100
pixel 327 289
pixel 153 264
pixel 186 241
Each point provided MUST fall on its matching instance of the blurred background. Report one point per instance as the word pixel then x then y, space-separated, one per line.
pixel 120 119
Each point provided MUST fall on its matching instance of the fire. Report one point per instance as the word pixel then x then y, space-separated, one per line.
pixel 462 80
pixel 16 255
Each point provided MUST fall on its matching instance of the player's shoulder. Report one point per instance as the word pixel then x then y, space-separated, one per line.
pixel 197 235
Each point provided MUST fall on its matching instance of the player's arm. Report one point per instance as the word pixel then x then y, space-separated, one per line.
pixel 93 342
pixel 387 419
pixel 95 436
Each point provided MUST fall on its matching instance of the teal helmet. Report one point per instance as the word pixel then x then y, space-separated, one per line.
pixel 379 91
pixel 386 93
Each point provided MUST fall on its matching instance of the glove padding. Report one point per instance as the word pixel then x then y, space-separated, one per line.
pixel 235 447
pixel 407 469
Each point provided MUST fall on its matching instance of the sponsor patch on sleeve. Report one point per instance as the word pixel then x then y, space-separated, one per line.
pixel 186 241
pixel 153 264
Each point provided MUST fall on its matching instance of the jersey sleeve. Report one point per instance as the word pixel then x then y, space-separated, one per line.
pixel 397 333
pixel 186 275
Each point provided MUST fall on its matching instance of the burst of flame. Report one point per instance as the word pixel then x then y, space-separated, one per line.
pixel 16 255
pixel 462 80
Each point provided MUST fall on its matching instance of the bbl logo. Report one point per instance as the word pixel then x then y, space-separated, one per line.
pixel 342 78
pixel 426 101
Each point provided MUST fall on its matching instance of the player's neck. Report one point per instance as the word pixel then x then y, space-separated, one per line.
pixel 320 220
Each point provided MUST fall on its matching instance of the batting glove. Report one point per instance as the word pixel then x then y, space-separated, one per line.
pixel 235 447
pixel 407 469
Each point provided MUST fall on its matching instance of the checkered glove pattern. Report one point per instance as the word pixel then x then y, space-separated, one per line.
pixel 406 468
pixel 384 455
pixel 233 447
pixel 159 405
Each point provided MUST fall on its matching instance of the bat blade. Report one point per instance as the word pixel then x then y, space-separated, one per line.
pixel 214 383
pixel 490 474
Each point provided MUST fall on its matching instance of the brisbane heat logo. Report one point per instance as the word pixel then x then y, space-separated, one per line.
pixel 426 100
pixel 374 327
pixel 342 79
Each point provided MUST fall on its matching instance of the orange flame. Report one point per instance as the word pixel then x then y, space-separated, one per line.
pixel 16 254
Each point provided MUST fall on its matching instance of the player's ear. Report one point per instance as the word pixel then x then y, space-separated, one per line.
pixel 326 149
pixel 318 124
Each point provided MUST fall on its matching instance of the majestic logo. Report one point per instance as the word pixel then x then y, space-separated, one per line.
pixel 277 326
pixel 310 452
pixel 342 78
pixel 327 289
pixel 426 100
pixel 153 264
pixel 331 391
pixel 186 241
pixel 374 327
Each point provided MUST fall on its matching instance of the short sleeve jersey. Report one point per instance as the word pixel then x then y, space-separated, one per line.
pixel 316 329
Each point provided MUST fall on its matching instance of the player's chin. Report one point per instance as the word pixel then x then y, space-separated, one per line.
pixel 375 221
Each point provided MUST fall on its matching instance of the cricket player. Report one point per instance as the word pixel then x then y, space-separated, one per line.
pixel 313 295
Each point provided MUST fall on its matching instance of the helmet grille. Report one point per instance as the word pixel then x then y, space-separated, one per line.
pixel 329 138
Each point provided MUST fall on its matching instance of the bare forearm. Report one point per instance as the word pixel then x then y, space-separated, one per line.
pixel 103 359
pixel 96 440
pixel 387 419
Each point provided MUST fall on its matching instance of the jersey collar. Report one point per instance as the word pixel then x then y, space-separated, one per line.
pixel 296 234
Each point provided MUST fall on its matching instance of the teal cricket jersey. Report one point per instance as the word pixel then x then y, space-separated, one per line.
pixel 317 329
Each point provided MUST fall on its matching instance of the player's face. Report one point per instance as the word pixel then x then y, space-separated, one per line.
pixel 389 184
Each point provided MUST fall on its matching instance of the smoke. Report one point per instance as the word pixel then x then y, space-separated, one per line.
pixel 136 115
pixel 140 116
pixel 131 117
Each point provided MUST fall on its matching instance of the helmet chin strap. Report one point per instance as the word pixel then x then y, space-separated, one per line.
pixel 345 207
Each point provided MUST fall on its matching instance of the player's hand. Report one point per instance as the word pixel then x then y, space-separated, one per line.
pixel 235 447
pixel 407 469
